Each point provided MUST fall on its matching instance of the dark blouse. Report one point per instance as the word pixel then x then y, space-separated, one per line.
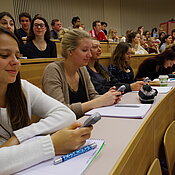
pixel 122 76
pixel 101 84
pixel 32 51
pixel 149 69
pixel 78 96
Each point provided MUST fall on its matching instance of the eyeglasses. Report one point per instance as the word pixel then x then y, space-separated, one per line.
pixel 39 25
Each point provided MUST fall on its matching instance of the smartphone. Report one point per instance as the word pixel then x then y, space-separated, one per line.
pixel 121 88
pixel 92 119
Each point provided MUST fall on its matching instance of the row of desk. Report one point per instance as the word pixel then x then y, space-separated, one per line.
pixel 132 144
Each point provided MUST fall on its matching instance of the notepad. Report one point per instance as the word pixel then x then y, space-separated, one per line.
pixel 74 166
pixel 162 90
pixel 122 110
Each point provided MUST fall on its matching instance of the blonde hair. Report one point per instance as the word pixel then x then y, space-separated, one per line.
pixel 110 33
pixel 71 39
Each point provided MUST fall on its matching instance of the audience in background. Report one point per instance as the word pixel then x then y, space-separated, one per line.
pixel 124 38
pixel 153 46
pixel 75 23
pixel 39 44
pixel 154 33
pixel 161 35
pixel 68 81
pixel 25 21
pixel 112 35
pixel 134 39
pixel 140 30
pixel 146 33
pixel 166 40
pixel 103 27
pixel 56 27
pixel 96 32
pixel 19 101
pixel 8 22
pixel 173 35
pixel 159 65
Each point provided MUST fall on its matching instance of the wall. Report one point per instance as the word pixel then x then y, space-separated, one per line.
pixel 122 14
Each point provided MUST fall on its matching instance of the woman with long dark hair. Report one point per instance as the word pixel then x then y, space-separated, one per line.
pixel 159 65
pixel 19 100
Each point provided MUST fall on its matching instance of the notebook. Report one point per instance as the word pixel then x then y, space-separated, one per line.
pixel 74 166
pixel 122 110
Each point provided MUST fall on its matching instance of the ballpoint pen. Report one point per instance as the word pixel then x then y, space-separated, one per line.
pixel 127 105
pixel 75 153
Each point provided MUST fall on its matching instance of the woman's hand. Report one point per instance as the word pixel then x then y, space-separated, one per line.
pixel 109 98
pixel 137 85
pixel 10 142
pixel 70 138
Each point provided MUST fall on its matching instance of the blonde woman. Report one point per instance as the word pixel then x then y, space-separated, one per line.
pixel 68 81
pixel 112 35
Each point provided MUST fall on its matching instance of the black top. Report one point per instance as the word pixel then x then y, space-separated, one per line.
pixel 53 34
pixel 22 33
pixel 101 84
pixel 78 96
pixel 151 69
pixel 32 51
pixel 122 76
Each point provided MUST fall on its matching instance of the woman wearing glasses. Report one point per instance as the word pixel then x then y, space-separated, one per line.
pixel 39 44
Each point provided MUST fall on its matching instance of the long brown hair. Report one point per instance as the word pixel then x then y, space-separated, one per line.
pixel 16 102
pixel 117 56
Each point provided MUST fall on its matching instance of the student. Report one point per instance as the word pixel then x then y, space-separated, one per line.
pixel 112 35
pixel 19 100
pixel 96 32
pixel 56 27
pixel 134 39
pixel 75 23
pixel 24 20
pixel 166 41
pixel 39 44
pixel 103 27
pixel 68 81
pixel 8 22
pixel 159 65
pixel 100 77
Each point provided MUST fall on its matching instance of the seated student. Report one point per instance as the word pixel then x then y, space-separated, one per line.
pixel 96 32
pixel 134 39
pixel 103 27
pixel 39 44
pixel 120 67
pixel 112 35
pixel 19 101
pixel 100 76
pixel 24 20
pixel 159 65
pixel 68 81
pixel 166 40
pixel 56 27
pixel 8 22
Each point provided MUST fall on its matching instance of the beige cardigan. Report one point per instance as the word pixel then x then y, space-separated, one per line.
pixel 55 85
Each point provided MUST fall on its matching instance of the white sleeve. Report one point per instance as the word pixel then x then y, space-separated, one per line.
pixel 19 157
pixel 56 115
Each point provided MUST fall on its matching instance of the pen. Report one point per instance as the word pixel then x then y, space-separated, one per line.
pixel 130 106
pixel 75 153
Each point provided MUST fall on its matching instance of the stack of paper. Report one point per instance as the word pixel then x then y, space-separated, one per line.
pixel 73 166
pixel 162 90
pixel 122 110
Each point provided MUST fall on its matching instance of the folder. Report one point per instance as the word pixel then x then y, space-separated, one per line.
pixel 122 110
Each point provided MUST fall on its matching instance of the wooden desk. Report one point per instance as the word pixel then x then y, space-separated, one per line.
pixel 132 144
pixel 32 69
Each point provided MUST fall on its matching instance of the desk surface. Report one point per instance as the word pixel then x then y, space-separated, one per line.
pixel 118 134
